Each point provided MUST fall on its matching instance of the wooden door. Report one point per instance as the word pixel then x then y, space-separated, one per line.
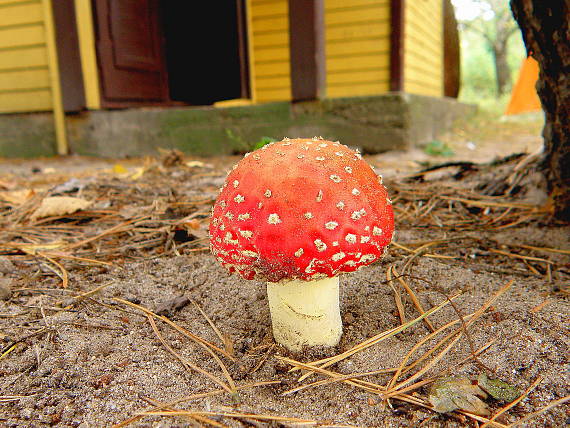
pixel 130 53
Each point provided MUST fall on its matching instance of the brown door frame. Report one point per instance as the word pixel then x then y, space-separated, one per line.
pixel 307 49
pixel 243 51
pixel 397 20
pixel 68 55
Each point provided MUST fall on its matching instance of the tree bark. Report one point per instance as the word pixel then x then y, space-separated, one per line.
pixel 502 69
pixel 545 30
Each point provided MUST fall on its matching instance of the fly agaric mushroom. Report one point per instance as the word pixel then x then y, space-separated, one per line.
pixel 297 213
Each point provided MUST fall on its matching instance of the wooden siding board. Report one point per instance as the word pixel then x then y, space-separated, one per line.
pixel 357 16
pixel 420 29
pixel 424 60
pixel 423 56
pixel 345 4
pixel 354 90
pixel 8 3
pixel 272 68
pixel 427 11
pixel 358 31
pixel 14 102
pixel 355 63
pixel 270 95
pixel 271 39
pixel 357 47
pixel 268 26
pixel 263 2
pixel 415 87
pixel 420 44
pixel 268 10
pixel 279 53
pixel 22 13
pixel 374 75
pixel 419 61
pixel 23 58
pixel 375 45
pixel 16 37
pixel 271 24
pixel 24 80
pixel 24 74
pixel 419 75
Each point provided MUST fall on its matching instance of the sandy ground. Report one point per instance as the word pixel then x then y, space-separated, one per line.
pixel 95 361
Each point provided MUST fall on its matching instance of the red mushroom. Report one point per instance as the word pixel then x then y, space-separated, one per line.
pixel 297 213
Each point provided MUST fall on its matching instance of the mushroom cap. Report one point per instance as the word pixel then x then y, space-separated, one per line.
pixel 301 209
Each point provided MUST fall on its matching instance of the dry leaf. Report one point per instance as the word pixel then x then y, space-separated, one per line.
pixel 119 169
pixel 194 227
pixel 195 164
pixel 139 172
pixel 452 393
pixel 35 248
pixel 172 157
pixel 58 206
pixel 7 184
pixel 17 197
pixel 198 164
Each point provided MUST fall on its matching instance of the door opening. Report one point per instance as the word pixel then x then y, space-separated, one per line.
pixel 206 50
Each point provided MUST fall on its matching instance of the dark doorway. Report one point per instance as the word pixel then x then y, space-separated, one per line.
pixel 206 52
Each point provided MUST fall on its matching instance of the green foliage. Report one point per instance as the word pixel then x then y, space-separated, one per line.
pixel 479 33
pixel 498 389
pixel 438 148
pixel 478 81
pixel 262 142
pixel 242 146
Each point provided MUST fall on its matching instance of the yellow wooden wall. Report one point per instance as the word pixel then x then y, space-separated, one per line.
pixel 357 34
pixel 268 32
pixel 357 51
pixel 423 47
pixel 24 71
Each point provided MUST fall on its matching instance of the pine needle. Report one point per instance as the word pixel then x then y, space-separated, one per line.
pixel 397 297
pixel 182 330
pixel 541 410
pixel 414 298
pixel 224 339
pixel 376 339
pixel 184 361
pixel 261 417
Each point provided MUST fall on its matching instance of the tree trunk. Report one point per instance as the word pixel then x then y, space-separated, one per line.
pixel 545 30
pixel 502 69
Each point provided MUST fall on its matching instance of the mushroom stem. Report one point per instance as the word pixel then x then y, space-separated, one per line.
pixel 305 313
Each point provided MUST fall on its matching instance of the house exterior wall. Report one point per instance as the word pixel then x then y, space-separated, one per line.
pixel 268 38
pixel 357 34
pixel 357 37
pixel 423 47
pixel 24 66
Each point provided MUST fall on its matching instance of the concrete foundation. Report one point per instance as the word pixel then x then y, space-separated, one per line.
pixel 374 124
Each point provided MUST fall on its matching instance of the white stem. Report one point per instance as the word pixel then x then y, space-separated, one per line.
pixel 305 313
